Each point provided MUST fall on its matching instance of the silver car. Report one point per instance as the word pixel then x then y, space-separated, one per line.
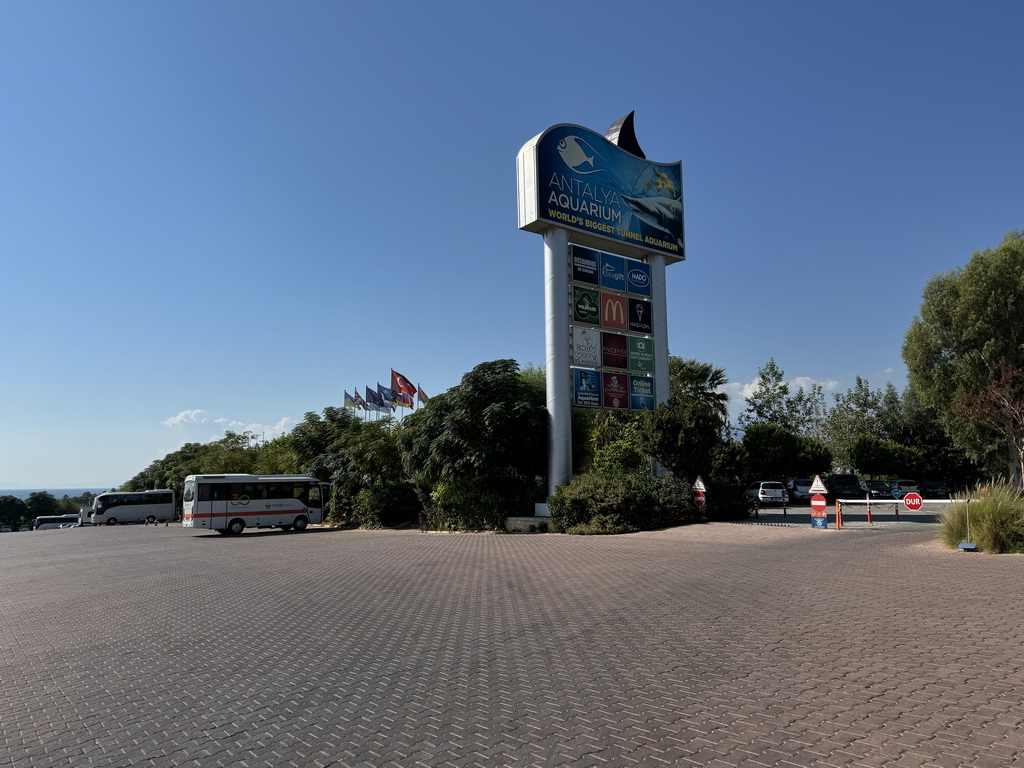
pixel 799 489
pixel 904 486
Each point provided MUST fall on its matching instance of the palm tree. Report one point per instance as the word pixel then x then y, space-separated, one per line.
pixel 703 382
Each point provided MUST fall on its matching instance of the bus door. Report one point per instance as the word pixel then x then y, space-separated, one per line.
pixel 316 502
pixel 214 501
pixel 325 501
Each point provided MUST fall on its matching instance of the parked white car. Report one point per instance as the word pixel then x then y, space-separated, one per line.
pixel 766 492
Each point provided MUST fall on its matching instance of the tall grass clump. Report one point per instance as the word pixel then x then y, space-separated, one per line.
pixel 997 519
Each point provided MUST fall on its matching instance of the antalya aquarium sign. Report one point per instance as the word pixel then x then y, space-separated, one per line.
pixel 574 178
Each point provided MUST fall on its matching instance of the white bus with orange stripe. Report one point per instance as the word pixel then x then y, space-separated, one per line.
pixel 232 503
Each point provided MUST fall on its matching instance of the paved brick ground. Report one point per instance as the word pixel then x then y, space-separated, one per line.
pixel 720 645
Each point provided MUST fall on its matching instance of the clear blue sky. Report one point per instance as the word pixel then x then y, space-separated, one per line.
pixel 222 215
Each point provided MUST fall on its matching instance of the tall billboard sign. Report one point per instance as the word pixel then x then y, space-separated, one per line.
pixel 608 197
pixel 611 221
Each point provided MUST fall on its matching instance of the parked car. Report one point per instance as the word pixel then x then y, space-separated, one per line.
pixel 5 529
pixel 843 487
pixel 876 489
pixel 932 489
pixel 904 486
pixel 766 492
pixel 799 489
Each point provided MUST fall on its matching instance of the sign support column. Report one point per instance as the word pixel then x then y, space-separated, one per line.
pixel 659 311
pixel 559 378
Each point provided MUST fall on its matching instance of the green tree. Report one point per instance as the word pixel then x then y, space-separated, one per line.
pixel 689 433
pixel 999 405
pixel 873 456
pixel 701 382
pixel 370 468
pixel 13 511
pixel 904 420
pixel 770 451
pixel 854 415
pixel 772 402
pixel 277 457
pixel 767 404
pixel 683 434
pixel 314 440
pixel 479 451
pixel 971 320
pixel 774 453
pixel 40 503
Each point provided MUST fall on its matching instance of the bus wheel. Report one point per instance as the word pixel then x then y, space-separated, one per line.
pixel 301 523
pixel 236 526
pixel 151 519
pixel 111 521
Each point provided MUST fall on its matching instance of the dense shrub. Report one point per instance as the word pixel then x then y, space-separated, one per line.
pixel 621 503
pixel 996 519
pixel 600 525
pixel 620 457
pixel 469 504
pixel 385 505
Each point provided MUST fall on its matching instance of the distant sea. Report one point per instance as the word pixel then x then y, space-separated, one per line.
pixel 59 493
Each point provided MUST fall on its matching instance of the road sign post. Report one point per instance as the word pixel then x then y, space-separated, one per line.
pixel 819 517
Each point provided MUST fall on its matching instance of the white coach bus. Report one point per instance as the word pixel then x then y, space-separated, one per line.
pixel 116 507
pixel 232 503
pixel 46 522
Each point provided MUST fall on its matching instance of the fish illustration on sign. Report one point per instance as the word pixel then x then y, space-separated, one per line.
pixel 574 155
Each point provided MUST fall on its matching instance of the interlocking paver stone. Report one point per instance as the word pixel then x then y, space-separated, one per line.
pixel 718 645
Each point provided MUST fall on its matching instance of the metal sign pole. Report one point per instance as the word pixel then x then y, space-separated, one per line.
pixel 556 333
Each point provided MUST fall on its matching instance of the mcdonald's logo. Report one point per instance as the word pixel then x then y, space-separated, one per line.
pixel 613 313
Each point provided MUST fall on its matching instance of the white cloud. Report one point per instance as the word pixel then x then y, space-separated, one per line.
pixel 199 426
pixel 828 385
pixel 739 392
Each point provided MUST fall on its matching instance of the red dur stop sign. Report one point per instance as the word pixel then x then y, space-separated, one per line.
pixel 913 501
pixel 818 503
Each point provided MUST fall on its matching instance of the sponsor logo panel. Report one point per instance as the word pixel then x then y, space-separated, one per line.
pixel 586 388
pixel 639 316
pixel 586 347
pixel 586 265
pixel 613 272
pixel 615 390
pixel 638 278
pixel 614 350
pixel 613 311
pixel 586 306
pixel 641 355
pixel 641 393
